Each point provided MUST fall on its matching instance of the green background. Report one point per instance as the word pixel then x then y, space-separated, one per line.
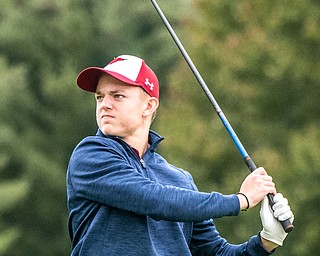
pixel 259 58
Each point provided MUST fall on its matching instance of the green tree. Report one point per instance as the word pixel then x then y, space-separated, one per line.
pixel 260 60
pixel 43 46
pixel 13 187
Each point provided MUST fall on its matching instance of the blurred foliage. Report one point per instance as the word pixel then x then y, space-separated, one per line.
pixel 43 46
pixel 260 60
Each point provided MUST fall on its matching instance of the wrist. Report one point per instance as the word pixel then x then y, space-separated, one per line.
pixel 244 201
pixel 268 245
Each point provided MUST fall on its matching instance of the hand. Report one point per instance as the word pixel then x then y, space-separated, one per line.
pixel 256 186
pixel 272 229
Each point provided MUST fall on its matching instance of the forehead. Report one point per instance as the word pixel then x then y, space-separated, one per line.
pixel 107 82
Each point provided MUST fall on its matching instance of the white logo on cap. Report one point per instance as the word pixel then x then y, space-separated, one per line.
pixel 147 83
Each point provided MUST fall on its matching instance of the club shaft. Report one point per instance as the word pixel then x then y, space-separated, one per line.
pixel 288 227
pixel 204 86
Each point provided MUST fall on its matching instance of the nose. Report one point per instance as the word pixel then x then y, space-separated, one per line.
pixel 106 103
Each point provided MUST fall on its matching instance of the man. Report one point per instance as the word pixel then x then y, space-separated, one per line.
pixel 125 199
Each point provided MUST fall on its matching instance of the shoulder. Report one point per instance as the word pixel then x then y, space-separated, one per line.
pixel 175 175
pixel 183 172
pixel 95 154
pixel 189 177
pixel 95 142
pixel 97 147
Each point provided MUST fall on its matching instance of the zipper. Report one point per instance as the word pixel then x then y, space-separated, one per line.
pixel 143 163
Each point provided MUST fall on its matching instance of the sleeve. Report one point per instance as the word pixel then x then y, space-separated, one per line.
pixel 207 241
pixel 101 172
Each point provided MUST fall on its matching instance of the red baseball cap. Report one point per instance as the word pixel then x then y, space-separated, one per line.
pixel 126 68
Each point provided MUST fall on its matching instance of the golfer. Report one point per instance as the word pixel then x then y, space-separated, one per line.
pixel 126 199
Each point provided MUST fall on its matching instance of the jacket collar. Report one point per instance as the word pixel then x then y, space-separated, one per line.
pixel 154 138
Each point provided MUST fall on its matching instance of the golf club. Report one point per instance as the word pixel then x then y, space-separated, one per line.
pixel 287 225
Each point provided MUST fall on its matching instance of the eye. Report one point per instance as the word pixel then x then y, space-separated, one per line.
pixel 118 96
pixel 99 97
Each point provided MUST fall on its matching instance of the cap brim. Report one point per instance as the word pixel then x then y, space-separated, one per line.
pixel 89 78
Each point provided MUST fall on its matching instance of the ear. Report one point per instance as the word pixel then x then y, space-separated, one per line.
pixel 151 106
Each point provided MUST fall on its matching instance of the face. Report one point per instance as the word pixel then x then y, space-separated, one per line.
pixel 121 108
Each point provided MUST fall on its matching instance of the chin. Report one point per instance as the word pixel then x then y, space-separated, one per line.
pixel 109 132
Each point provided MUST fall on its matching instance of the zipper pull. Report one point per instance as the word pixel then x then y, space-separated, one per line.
pixel 143 163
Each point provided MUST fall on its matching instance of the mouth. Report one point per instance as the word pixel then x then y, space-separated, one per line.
pixel 107 116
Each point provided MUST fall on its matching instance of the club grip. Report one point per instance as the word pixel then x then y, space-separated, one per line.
pixel 286 224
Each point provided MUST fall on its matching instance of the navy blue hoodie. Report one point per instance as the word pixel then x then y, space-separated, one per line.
pixel 120 204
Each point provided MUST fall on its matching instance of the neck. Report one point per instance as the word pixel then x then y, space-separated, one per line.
pixel 140 143
pixel 140 138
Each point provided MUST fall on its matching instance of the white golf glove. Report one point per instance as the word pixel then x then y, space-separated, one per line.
pixel 272 229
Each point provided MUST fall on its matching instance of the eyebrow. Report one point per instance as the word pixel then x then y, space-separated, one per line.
pixel 111 92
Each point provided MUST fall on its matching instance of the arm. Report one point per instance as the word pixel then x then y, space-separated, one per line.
pixel 100 172
pixel 206 240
